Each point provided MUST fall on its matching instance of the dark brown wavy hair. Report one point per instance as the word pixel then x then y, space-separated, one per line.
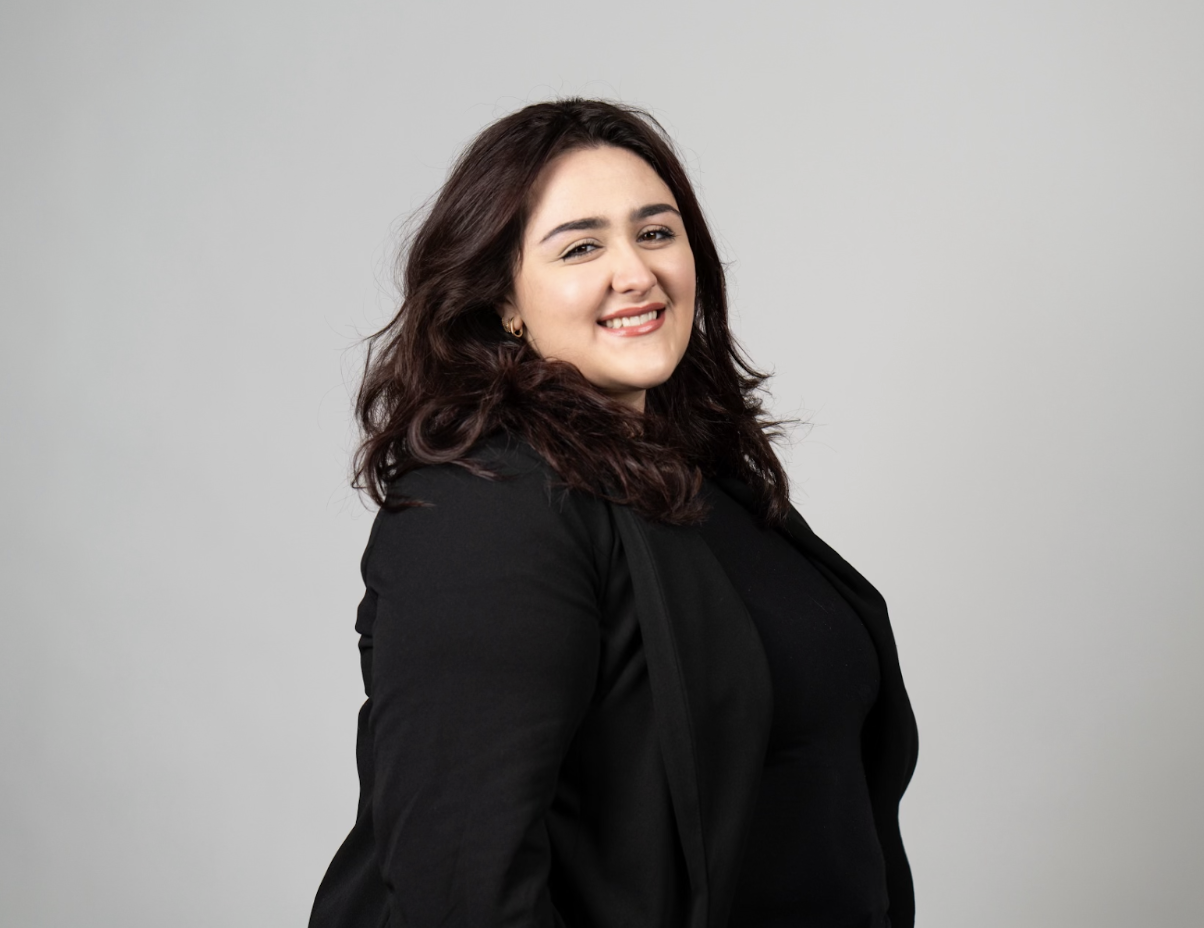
pixel 444 373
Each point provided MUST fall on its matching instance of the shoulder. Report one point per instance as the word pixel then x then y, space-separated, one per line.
pixel 522 510
pixel 520 487
pixel 514 463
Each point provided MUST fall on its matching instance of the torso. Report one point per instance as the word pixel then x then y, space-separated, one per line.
pixel 813 854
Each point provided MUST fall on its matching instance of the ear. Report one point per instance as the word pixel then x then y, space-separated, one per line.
pixel 508 312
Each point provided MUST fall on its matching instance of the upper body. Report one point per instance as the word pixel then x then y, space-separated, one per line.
pixel 569 713
pixel 602 651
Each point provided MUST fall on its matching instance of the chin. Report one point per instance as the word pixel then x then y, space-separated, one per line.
pixel 644 380
pixel 636 374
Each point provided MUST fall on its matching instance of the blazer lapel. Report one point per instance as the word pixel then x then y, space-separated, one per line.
pixel 712 698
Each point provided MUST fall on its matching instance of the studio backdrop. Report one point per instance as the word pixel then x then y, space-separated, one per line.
pixel 966 237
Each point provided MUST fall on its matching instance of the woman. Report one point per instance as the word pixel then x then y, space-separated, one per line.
pixel 613 678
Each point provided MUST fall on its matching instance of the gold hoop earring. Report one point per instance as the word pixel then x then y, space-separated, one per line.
pixel 514 327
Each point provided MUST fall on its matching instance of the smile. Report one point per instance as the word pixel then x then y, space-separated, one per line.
pixel 638 323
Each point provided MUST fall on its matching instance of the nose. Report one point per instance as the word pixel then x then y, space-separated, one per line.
pixel 632 273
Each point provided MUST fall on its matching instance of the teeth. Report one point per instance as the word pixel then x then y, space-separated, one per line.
pixel 627 322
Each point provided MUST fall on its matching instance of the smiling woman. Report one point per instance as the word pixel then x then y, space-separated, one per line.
pixel 613 293
pixel 555 219
pixel 613 677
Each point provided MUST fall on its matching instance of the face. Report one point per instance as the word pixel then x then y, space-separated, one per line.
pixel 606 279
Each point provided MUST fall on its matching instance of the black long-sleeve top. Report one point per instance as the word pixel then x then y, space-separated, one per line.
pixel 813 857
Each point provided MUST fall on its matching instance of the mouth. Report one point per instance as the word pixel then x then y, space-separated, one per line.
pixel 636 320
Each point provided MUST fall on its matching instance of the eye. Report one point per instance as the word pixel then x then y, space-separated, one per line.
pixel 578 250
pixel 656 235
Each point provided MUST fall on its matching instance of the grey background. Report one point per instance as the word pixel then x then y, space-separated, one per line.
pixel 966 236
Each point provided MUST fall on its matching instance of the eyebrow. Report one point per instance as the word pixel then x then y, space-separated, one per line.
pixel 596 222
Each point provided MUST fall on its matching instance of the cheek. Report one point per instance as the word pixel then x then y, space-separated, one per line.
pixel 686 285
pixel 683 274
pixel 563 298
pixel 580 294
pixel 687 302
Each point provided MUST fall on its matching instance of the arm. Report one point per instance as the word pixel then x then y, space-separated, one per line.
pixel 485 649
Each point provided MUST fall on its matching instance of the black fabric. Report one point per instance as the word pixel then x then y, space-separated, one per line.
pixel 565 720
pixel 813 856
pixel 889 740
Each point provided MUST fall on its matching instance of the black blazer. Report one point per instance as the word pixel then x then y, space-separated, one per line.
pixel 567 713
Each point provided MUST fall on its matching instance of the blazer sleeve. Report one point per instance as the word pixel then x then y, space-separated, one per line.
pixel 484 645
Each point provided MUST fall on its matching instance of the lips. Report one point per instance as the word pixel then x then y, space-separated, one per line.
pixel 634 320
pixel 627 322
pixel 632 316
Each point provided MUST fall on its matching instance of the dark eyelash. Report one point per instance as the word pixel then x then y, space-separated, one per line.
pixel 663 233
pixel 577 250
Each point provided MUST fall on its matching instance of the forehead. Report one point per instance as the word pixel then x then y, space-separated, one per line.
pixel 604 182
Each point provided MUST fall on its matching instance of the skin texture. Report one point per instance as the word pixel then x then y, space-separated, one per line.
pixel 633 255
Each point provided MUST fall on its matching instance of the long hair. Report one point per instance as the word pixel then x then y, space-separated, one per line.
pixel 444 373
